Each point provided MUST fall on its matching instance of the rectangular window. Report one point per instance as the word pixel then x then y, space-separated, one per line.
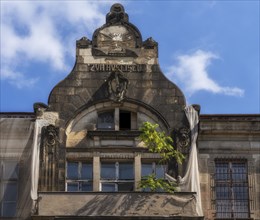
pixel 8 188
pixel 231 189
pixel 79 176
pixel 117 177
pixel 124 120
pixel 153 168
pixel 106 121
pixel 158 170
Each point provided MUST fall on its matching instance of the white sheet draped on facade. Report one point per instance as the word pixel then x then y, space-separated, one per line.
pixel 39 123
pixel 191 182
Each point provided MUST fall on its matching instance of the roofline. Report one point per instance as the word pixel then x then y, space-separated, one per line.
pixel 17 115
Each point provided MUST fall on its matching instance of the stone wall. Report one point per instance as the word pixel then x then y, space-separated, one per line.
pixel 230 137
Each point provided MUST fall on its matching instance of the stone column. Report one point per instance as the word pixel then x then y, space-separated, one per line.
pixel 117 119
pixel 96 172
pixel 137 169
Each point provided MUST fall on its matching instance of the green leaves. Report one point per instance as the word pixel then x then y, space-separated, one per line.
pixel 154 184
pixel 158 142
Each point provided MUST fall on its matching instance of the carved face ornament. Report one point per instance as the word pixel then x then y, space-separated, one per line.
pixel 117 86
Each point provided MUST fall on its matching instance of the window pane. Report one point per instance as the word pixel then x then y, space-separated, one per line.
pixel 108 171
pixel 222 170
pixel 160 171
pixel 72 187
pixel 9 209
pixel 106 120
pixel 223 209
pixel 72 171
pixel 86 172
pixel 108 187
pixel 10 170
pixel 238 171
pixel 10 192
pixel 125 187
pixel 126 171
pixel 231 190
pixel 87 187
pixel 147 169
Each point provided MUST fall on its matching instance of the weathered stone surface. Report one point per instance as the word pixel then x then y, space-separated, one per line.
pixel 137 62
pixel 117 204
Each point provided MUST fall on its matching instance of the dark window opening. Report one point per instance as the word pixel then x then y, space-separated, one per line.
pixel 125 120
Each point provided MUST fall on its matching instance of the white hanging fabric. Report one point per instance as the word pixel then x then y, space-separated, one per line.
pixel 191 180
pixel 39 123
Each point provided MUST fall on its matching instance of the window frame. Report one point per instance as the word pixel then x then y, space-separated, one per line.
pixel 154 165
pixel 4 181
pixel 117 117
pixel 100 125
pixel 117 180
pixel 225 185
pixel 79 181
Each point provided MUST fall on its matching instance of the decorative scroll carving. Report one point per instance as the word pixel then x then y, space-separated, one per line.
pixel 117 86
pixel 49 158
pixel 116 14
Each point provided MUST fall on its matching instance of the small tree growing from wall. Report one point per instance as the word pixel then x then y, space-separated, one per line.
pixel 160 143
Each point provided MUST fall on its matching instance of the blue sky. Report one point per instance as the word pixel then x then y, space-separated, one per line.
pixel 210 49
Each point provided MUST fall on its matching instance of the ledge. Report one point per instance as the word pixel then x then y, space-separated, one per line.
pixel 114 134
pixel 117 205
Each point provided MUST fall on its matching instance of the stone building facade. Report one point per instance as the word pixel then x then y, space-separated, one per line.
pixel 79 156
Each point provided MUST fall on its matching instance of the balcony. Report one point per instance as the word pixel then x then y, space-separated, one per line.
pixel 119 205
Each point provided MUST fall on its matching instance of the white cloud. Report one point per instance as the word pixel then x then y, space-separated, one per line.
pixel 17 78
pixel 192 73
pixel 41 31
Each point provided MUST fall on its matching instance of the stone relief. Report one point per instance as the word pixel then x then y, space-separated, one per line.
pixel 117 37
pixel 49 157
pixel 117 86
pixel 117 14
pixel 183 140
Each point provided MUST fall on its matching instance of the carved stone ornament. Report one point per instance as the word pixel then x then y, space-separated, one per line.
pixel 49 158
pixel 117 14
pixel 84 42
pixel 183 139
pixel 118 37
pixel 39 108
pixel 150 43
pixel 117 86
